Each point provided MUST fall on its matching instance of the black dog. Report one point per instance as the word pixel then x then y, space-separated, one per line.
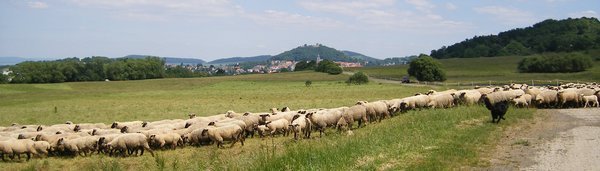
pixel 498 109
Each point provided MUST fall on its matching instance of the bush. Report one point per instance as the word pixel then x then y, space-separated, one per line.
pixel 328 66
pixel 425 68
pixel 555 62
pixel 358 78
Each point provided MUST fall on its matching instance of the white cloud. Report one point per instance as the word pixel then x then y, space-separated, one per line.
pixel 37 4
pixel 588 13
pixel 351 8
pixel 149 9
pixel 383 15
pixel 510 16
pixel 451 6
pixel 285 19
pixel 421 5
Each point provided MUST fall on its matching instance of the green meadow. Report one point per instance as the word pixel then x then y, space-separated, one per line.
pixel 438 139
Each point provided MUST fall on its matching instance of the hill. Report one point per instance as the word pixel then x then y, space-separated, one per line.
pixel 310 52
pixel 359 56
pixel 233 60
pixel 171 60
pixel 547 36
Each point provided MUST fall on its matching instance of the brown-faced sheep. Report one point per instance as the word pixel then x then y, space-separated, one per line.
pixel 547 98
pixel 301 125
pixel 278 126
pixel 568 97
pixel 228 133
pixel 16 148
pixel 131 142
pixel 323 118
pixel 160 140
pixel 80 145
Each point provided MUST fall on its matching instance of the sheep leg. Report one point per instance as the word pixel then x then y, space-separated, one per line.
pixel 28 156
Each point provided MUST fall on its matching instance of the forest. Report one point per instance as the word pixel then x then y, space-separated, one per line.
pixel 550 35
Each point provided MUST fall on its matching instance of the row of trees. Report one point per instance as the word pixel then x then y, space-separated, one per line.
pixel 326 66
pixel 547 36
pixel 556 62
pixel 87 69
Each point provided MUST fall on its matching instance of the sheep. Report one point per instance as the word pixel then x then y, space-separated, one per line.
pixel 484 90
pixel 17 147
pixel 81 126
pixel 417 101
pixel 533 91
pixel 280 125
pixel 468 97
pixel 375 110
pixel 79 145
pixel 522 101
pixel 441 100
pixel 160 140
pixel 497 104
pixel 41 147
pixel 286 109
pixel 547 98
pixel 357 113
pixel 103 140
pixel 105 131
pixel 196 137
pixel 119 125
pixel 590 99
pixel 261 129
pixel 227 133
pixel 342 124
pixel 568 95
pixel 131 142
pixel 248 118
pixel 301 124
pixel 323 118
pixel 278 115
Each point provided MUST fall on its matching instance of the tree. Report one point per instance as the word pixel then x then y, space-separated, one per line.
pixel 556 62
pixel 3 78
pixel 358 78
pixel 305 65
pixel 330 67
pixel 425 68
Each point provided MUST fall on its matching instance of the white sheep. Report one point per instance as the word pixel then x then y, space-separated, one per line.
pixel 323 118
pixel 17 147
pixel 80 145
pixel 131 142
pixel 590 99
pixel 160 140
pixel 522 101
pixel 441 100
pixel 227 133
pixel 547 98
pixel 280 125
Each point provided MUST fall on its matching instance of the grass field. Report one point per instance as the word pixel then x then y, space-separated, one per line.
pixel 416 140
pixel 497 69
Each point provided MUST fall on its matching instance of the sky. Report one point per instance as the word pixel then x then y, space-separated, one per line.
pixel 212 29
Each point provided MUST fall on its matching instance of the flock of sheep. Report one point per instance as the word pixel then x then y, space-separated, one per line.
pixel 135 137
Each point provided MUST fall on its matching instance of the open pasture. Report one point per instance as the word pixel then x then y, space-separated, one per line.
pixel 421 139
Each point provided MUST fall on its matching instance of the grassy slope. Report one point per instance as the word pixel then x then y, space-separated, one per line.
pixel 429 139
pixel 483 70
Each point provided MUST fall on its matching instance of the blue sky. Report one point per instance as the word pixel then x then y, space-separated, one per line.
pixel 211 29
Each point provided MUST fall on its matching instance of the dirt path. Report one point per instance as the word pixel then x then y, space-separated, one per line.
pixel 557 139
